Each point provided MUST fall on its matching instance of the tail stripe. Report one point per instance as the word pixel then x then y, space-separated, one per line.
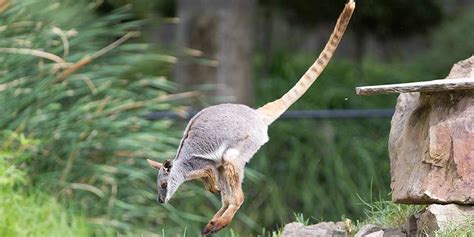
pixel 271 111
pixel 325 57
pixel 308 78
pixel 335 40
pixel 315 69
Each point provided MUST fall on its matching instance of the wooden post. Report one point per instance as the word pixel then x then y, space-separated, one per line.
pixel 422 86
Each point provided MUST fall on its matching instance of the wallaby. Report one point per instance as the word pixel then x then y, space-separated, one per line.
pixel 220 140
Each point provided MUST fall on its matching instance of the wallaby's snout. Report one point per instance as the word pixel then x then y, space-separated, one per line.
pixel 162 180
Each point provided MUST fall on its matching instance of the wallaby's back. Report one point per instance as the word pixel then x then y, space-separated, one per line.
pixel 273 110
pixel 221 127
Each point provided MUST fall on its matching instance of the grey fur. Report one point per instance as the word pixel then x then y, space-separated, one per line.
pixel 209 135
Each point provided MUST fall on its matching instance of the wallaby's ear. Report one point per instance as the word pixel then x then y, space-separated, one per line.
pixel 167 164
pixel 154 164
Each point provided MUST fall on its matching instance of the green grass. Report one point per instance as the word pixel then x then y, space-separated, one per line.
pixel 35 213
pixel 25 211
pixel 299 217
pixel 388 214
pixel 458 230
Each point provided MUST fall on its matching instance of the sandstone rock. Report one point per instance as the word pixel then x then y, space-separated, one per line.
pixel 431 145
pixel 441 216
pixel 296 229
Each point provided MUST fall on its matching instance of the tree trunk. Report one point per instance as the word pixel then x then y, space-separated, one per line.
pixel 223 31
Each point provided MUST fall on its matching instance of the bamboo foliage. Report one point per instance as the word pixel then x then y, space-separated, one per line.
pixel 72 80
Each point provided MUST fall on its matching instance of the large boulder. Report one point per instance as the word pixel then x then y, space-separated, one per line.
pixel 431 144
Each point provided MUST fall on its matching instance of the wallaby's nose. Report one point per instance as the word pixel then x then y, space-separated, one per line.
pixel 161 200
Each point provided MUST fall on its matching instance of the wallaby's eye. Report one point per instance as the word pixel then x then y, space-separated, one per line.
pixel 164 185
pixel 167 165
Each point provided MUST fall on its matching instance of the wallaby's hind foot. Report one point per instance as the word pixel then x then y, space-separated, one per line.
pixel 213 227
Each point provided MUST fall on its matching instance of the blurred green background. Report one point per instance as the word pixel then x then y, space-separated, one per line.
pixel 74 140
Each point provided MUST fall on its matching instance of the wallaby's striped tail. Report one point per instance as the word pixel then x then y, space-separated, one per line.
pixel 273 110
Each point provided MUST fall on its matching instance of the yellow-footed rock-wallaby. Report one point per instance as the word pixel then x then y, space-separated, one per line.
pixel 220 140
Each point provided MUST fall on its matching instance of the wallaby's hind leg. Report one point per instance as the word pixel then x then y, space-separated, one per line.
pixel 224 195
pixel 225 205
pixel 232 196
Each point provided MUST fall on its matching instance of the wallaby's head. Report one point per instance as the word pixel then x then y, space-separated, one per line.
pixel 166 184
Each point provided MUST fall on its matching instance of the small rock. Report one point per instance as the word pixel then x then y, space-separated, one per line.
pixel 292 228
pixel 322 229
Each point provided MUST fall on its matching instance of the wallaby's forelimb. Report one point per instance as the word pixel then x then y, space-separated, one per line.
pixel 210 184
pixel 208 178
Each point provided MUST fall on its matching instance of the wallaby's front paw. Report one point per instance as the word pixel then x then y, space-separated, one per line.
pixel 212 227
pixel 215 190
pixel 212 188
